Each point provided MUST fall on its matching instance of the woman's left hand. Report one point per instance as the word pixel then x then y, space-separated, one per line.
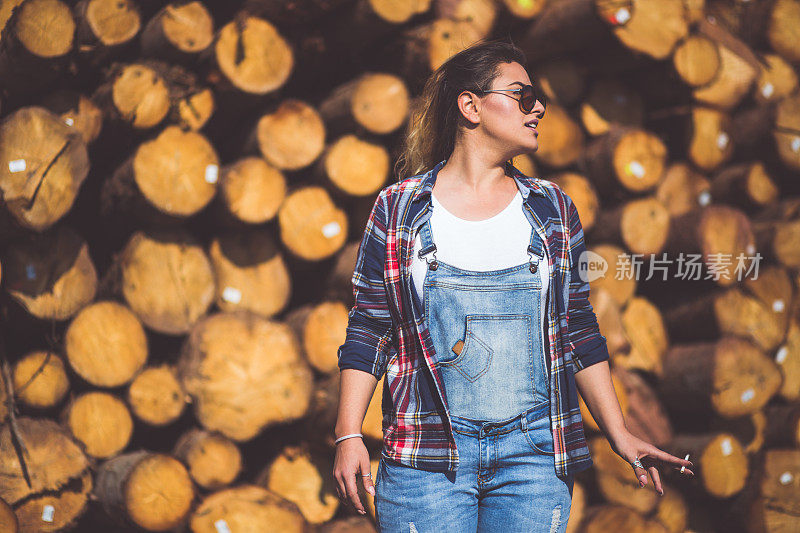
pixel 629 447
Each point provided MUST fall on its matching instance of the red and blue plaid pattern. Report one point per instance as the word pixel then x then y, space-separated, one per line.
pixel 387 335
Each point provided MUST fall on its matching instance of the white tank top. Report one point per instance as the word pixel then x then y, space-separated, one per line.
pixel 497 242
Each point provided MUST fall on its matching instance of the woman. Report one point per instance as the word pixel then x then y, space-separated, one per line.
pixel 465 277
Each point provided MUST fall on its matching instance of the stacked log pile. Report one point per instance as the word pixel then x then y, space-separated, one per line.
pixel 184 187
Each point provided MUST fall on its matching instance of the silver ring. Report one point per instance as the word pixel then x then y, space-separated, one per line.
pixel 638 463
pixel 366 475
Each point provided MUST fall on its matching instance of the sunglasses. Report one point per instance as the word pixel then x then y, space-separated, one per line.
pixel 528 94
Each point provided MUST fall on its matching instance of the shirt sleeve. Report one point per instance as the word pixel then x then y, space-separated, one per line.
pixel 369 336
pixel 588 345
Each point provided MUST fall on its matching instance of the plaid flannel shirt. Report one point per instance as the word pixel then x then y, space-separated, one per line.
pixel 387 334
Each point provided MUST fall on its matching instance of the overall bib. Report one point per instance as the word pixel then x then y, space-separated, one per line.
pixel 486 331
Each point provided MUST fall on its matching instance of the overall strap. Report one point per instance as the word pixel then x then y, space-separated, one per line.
pixel 535 250
pixel 428 247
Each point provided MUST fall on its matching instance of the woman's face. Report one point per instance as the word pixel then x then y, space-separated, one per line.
pixel 501 118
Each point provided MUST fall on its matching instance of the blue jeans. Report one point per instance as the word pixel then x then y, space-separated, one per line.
pixel 505 482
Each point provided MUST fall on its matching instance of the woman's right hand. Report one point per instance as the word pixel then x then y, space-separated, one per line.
pixel 350 465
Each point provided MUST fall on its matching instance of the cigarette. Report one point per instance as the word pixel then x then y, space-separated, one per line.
pixel 685 459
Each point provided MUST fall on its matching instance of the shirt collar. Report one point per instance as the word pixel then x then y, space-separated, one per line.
pixel 525 184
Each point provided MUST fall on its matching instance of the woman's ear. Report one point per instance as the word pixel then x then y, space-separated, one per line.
pixel 469 106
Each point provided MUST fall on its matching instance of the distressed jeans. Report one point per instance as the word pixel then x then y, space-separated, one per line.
pixel 505 482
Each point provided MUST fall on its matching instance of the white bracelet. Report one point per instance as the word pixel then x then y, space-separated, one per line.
pixel 347 437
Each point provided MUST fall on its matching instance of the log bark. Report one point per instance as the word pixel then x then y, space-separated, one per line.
pixel 683 189
pixel 625 159
pixel 129 485
pixel 51 275
pixel 250 272
pixel 59 474
pixel 298 474
pixel 777 232
pixel 641 226
pixel 172 176
pixel 609 103
pixel 732 377
pixel 35 45
pixel 747 186
pixel 178 32
pixel 105 28
pixel 77 111
pixel 729 311
pixel 721 465
pixel 375 102
pixel 722 235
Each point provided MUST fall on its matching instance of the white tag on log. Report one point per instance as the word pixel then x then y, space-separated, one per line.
pixel 622 16
pixel 212 173
pixel 778 306
pixel 331 229
pixel 704 198
pixel 786 478
pixel 767 90
pixel 796 144
pixel 222 526
pixel 722 140
pixel 47 513
pixel 780 356
pixel 727 447
pixel 17 165
pixel 748 395
pixel 232 295
pixel 636 169
pixel 68 121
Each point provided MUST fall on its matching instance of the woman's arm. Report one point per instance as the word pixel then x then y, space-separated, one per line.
pixel 588 345
pixel 597 390
pixel 369 335
pixel 593 374
pixel 362 357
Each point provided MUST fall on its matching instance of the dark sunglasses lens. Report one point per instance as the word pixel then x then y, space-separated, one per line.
pixel 529 96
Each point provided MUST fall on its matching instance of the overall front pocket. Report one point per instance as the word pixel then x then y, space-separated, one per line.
pixel 475 357
pixel 486 336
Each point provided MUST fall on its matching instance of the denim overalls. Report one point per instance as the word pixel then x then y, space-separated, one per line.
pixel 486 331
